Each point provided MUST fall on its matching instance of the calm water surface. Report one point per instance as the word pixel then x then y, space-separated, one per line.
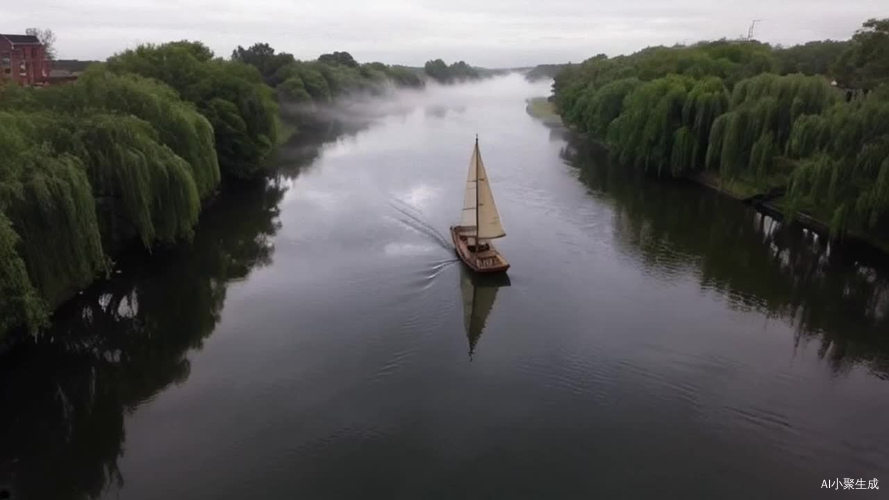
pixel 318 339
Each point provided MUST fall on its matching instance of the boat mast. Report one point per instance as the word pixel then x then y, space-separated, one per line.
pixel 477 228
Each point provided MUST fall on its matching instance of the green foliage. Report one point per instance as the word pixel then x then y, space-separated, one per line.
pixel 810 133
pixel 86 168
pixel 763 111
pixel 661 126
pixel 544 72
pixel 263 57
pixel 728 60
pixel 48 201
pixel 338 59
pixel 179 127
pixel 437 70
pixel 19 301
pixel 441 72
pixel 843 171
pixel 128 152
pixel 139 179
pixel 404 76
pixel 865 63
pixel 758 115
pixel 812 58
pixel 293 89
pixel 706 101
pixel 643 133
pixel 597 108
pixel 306 76
pixel 231 94
pixel 337 74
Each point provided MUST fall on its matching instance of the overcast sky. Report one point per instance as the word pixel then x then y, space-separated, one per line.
pixel 494 33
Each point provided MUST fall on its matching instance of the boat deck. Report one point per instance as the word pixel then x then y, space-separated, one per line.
pixel 485 259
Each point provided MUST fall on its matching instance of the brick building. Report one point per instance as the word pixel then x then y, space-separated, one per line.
pixel 23 59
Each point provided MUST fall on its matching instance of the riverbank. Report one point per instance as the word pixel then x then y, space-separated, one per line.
pixel 770 200
pixel 760 120
pixel 767 197
pixel 544 110
pixel 130 154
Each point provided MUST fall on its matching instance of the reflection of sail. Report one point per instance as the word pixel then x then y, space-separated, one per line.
pixel 479 294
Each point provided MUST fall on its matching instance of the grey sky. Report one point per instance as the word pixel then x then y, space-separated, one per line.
pixel 487 33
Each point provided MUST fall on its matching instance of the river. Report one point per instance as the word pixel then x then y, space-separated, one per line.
pixel 318 338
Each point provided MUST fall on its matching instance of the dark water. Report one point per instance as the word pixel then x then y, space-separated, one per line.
pixel 318 339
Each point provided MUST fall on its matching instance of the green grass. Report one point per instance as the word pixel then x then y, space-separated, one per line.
pixel 543 110
pixel 286 130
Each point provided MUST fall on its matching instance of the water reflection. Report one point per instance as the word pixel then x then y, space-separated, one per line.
pixel 314 132
pixel 479 294
pixel 837 295
pixel 64 395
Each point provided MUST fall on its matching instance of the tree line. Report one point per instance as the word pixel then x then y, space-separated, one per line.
pixel 131 150
pixel 324 79
pixel 813 119
pixel 455 72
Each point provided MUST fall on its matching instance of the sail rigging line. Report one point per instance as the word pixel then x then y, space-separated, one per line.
pixel 477 231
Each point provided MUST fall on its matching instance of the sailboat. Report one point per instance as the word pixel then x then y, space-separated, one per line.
pixel 480 222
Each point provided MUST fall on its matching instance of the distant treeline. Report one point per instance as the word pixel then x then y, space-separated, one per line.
pixel 324 79
pixel 130 150
pixel 813 119
pixel 544 72
pixel 459 71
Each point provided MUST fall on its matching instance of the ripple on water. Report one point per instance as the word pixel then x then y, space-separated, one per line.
pixel 759 418
pixel 583 374
pixel 394 363
pixel 663 384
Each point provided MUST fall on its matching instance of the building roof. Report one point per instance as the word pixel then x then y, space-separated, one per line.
pixel 72 65
pixel 21 39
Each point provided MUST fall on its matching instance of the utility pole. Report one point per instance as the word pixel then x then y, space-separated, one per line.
pixel 750 30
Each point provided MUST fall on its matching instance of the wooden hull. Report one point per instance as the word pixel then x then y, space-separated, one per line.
pixel 483 260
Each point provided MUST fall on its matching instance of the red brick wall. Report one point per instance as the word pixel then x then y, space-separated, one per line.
pixel 24 64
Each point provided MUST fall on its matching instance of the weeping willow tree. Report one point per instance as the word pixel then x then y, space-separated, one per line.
pixel 745 140
pixel 20 302
pixel 140 185
pixel 843 172
pixel 230 94
pixel 643 134
pixel 47 200
pixel 597 108
pixel 660 126
pixel 85 169
pixel 179 126
pixel 724 59
pixel 705 102
pixel 719 106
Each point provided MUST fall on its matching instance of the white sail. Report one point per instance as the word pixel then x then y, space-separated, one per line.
pixel 487 218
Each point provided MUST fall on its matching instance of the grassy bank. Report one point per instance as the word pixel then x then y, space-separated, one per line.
pixel 544 110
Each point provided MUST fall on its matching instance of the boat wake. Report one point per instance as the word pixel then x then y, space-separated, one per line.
pixel 413 218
